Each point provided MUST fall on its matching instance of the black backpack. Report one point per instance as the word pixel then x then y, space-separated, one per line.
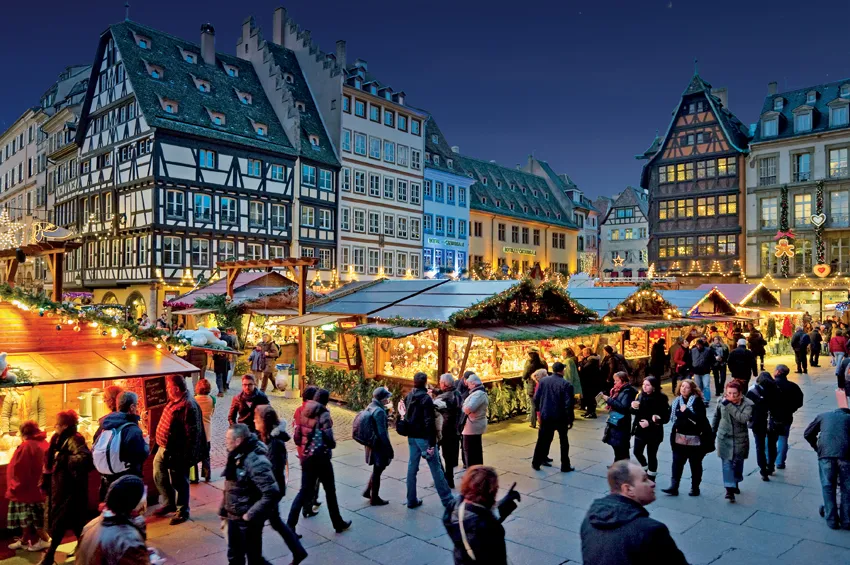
pixel 365 428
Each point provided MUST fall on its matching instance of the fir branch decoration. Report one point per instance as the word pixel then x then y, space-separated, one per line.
pixel 784 261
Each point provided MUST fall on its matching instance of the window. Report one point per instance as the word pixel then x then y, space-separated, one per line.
pixel 359 143
pixel 685 208
pixel 200 253
pixel 811 97
pixel 401 190
pixel 685 246
pixel 389 225
pixel 325 179
pixel 802 122
pixel 414 264
pixel 402 151
pixel 845 90
pixel 450 194
pixel 256 214
pixel 838 210
pixel 374 259
pixel 667 210
pixel 375 148
pixel 450 227
pixel 629 234
pixel 415 127
pixel 345 218
pixel 769 127
pixel 358 255
pixel 174 204
pixel 767 171
pixel 838 163
pixel 374 185
pixel 439 226
pixel 129 247
pixel 429 194
pixel 278 216
pixel 203 208
pixel 277 252
pixel 839 255
pixel 402 122
pixel 171 251
pixel 614 235
pixel 705 207
pixel 308 252
pixel 414 228
pixel 228 210
pixel 308 216
pixel 802 209
pixel 802 256
pixel 359 108
pixel 325 259
pixel 706 245
pixel 255 167
pixel 374 113
pixel 727 244
pixel 535 239
pixel 389 188
pixel 254 251
pixel 838 116
pixel 401 225
pixel 438 191
pixel 415 159
pixel 461 230
pixel 389 118
pixel 768 261
pixel 501 232
pixel 415 197
pixel 346 104
pixel 360 182
pixel 802 167
pixel 278 172
pixel 346 179
pixel 461 196
pixel 359 221
pixel 325 219
pixel 389 151
pixel 514 234
pixel 308 175
pixel 346 140
pixel 429 223
pixel 769 213
pixel 374 223
pixel 206 159
pixel 525 236
pixel 116 252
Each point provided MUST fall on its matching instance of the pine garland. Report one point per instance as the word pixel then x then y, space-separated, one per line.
pixel 784 261
pixel 820 245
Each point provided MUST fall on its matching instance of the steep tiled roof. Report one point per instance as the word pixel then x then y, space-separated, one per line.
pixel 652 149
pixel 177 84
pixel 441 148
pixel 565 184
pixel 311 122
pixel 825 93
pixel 631 196
pixel 543 207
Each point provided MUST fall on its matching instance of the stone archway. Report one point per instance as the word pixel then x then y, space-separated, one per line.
pixel 109 298
pixel 136 306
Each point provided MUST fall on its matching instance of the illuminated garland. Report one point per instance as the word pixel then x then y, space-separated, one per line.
pixel 820 246
pixel 784 261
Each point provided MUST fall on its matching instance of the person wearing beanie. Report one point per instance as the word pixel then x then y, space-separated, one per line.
pixel 381 453
pixel 117 536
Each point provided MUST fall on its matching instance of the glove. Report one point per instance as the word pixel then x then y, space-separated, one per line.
pixel 508 504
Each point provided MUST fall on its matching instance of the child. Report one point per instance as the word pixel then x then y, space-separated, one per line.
pixel 26 499
pixel 207 404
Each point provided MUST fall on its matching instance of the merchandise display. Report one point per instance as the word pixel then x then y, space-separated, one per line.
pixel 407 356
pixel 636 346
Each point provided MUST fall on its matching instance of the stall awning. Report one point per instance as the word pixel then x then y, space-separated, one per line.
pixel 193 311
pixel 655 324
pixel 385 330
pixel 311 320
pixel 540 331
pixel 274 312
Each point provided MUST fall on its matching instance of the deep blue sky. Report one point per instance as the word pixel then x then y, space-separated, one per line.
pixel 583 85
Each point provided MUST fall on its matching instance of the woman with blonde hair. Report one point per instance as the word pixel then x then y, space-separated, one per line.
pixel 687 436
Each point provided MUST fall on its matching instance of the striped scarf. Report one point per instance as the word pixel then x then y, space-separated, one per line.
pixel 677 403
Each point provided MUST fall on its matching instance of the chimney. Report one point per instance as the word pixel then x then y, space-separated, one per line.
pixel 722 94
pixel 340 53
pixel 208 44
pixel 771 88
pixel 279 27
pixel 362 64
pixel 455 149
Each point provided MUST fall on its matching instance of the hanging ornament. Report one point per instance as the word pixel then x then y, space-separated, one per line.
pixel 822 270
pixel 784 249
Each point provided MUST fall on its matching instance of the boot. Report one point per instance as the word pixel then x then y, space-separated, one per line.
pixel 673 489
pixel 730 494
pixel 694 490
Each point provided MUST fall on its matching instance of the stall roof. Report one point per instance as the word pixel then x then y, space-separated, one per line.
pixel 194 311
pixel 684 300
pixel 247 286
pixel 540 331
pixel 438 302
pixel 601 299
pixel 374 297
pixel 385 330
pixel 272 312
pixel 735 292
pixel 312 320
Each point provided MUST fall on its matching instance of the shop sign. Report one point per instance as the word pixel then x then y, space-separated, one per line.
pixel 450 243
pixel 155 394
pixel 519 251
pixel 446 242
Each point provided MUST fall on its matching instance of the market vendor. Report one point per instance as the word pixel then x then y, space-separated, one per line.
pixel 21 404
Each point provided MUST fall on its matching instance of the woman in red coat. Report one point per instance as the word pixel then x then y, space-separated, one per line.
pixel 26 499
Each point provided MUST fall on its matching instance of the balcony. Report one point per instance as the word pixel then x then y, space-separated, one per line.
pixel 838 172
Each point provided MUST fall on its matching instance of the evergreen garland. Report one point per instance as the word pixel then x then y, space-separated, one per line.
pixel 820 246
pixel 784 261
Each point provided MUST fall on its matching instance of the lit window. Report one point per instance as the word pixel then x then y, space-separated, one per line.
pixel 143 43
pixel 314 141
pixel 154 73
pixel 169 108
pixel 261 131
pixel 845 91
pixel 777 104
pixel 811 97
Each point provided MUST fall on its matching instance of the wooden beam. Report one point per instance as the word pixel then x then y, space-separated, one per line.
pixel 301 276
pixel 56 262
pixel 465 357
pixel 11 271
pixel 442 351
pixel 232 273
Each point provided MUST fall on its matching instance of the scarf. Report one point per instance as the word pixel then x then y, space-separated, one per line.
pixel 618 386
pixel 677 404
pixel 235 457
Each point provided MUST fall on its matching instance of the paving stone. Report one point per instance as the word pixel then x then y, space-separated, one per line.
pixel 544 538
pixel 519 554
pixel 807 529
pixel 328 553
pixel 675 521
pixel 808 551
pixel 408 551
pixel 740 537
pixel 739 556
pixel 416 523
pixel 553 514
pixel 566 494
pixel 363 534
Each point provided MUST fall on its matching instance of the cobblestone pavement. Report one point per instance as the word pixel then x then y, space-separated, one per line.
pixel 773 523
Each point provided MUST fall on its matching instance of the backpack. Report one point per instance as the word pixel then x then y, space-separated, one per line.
pixel 315 442
pixel 106 451
pixel 364 428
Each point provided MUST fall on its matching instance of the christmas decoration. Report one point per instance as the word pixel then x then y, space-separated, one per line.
pixel 784 249
pixel 822 270
pixel 771 328
pixel 784 231
pixel 618 261
pixel 819 221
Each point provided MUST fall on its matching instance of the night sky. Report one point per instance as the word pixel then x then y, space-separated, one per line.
pixel 583 85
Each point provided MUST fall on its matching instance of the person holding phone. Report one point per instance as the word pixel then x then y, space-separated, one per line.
pixel 477 534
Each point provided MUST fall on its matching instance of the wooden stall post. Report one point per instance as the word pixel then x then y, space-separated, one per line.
pixel 442 351
pixel 56 262
pixel 465 357
pixel 301 274
pixel 11 271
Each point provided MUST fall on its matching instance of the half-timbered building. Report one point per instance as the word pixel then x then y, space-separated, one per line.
pixel 183 163
pixel 695 178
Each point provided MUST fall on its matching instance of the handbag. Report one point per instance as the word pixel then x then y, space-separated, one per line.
pixel 614 418
pixel 682 439
pixel 460 515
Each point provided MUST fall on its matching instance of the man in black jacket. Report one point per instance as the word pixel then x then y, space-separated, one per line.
pixel 554 400
pixel 742 363
pixel 618 529
pixel 800 344
pixel 250 493
pixel 829 435
pixel 612 364
pixel 422 442
pixel 448 404
pixel 134 449
pixel 244 404
pixel 702 358
pixel 789 399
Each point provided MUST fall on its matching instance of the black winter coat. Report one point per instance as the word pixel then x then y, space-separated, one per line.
pixel 742 364
pixel 692 422
pixel 658 360
pixel 555 399
pixel 816 339
pixel 618 530
pixel 484 532
pixel 278 457
pixel 619 435
pixel 756 343
pixel 382 452
pixel 829 434
pixel 788 401
pixel 66 479
pixel 450 414
pixel 613 364
pixel 250 487
pixel 590 377
pixel 420 416
pixel 651 405
pixel 762 398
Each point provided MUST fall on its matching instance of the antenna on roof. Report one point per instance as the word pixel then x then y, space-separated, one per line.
pixel 696 66
pixel 127 11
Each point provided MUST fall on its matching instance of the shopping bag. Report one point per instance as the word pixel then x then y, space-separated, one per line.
pixel 841 397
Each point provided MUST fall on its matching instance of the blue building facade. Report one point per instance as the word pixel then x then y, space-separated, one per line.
pixel 445 198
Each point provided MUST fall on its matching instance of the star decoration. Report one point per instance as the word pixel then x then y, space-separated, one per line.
pixel 10 232
pixel 783 248
pixel 618 261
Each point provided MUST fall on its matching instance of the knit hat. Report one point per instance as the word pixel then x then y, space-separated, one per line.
pixel 125 494
pixel 381 394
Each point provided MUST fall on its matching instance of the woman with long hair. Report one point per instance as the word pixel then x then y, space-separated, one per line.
pixel 617 431
pixel 651 411
pixel 687 436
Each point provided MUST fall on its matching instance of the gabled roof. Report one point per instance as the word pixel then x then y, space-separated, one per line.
pixel 311 121
pixel 192 116
pixel 484 197
pixel 266 282
pixel 629 197
pixel 441 148
pixel 791 100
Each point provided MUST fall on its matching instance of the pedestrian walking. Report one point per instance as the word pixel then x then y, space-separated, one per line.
pixel 448 404
pixel 250 496
pixel 837 348
pixel 555 402
pixel 687 436
pixel 475 415
pixel 314 434
pixel 763 394
pixel 232 341
pixel 757 345
pixel 66 481
pixel 180 438
pixel 264 356
pixel 617 527
pixel 476 533
pixel 721 357
pixel 731 429
pixel 829 435
pixel 612 364
pixel 120 430
pixel 617 430
pixel 800 342
pixel 702 358
pixel 658 360
pixel 221 367
pixel 272 432
pixel 590 377
pixel 788 401
pixel 118 535
pixel 651 410
pixel 421 427
pixel 244 404
pixel 309 393
pixel 380 454
pixel 206 402
pixel 742 363
pixel 681 359
pixel 815 340
pixel 26 499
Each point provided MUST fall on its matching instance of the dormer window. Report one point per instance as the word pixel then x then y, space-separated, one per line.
pixel 770 126
pixel 189 56
pixel 300 106
pixel 484 200
pixel 498 184
pixel 558 215
pixel 838 113
pixel 778 103
pixel 373 89
pixel 534 193
pixel 155 71
pixel 845 91
pixel 314 141
pixel 436 159
pixel 244 97
pixel 524 190
pixel 261 131
pixel 169 106
pixel 288 78
pixel 450 163
pixel 498 203
pixel 434 139
pixel 545 196
pixel 231 70
pixel 811 97
pixel 484 181
pixel 511 206
pixel 142 41
pixel 217 118
pixel 803 121
pixel 201 84
pixel 525 209
pixel 427 157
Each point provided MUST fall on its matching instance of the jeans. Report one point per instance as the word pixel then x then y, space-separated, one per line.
pixel 206 473
pixel 313 468
pixel 733 472
pixel 450 447
pixel 245 539
pixel 532 413
pixel 704 383
pixel 814 357
pixel 651 459
pixel 419 449
pixel 719 379
pixel 800 358
pixel 689 454
pixel 544 441
pixel 779 438
pixel 172 482
pixel 288 536
pixel 839 357
pixel 761 361
pixel 765 452
pixel 221 381
pixel 835 473
pixel 473 450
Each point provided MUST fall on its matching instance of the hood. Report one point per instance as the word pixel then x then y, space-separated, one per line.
pixel 614 511
pixel 116 419
pixel 280 430
pixel 312 409
pixel 40 436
